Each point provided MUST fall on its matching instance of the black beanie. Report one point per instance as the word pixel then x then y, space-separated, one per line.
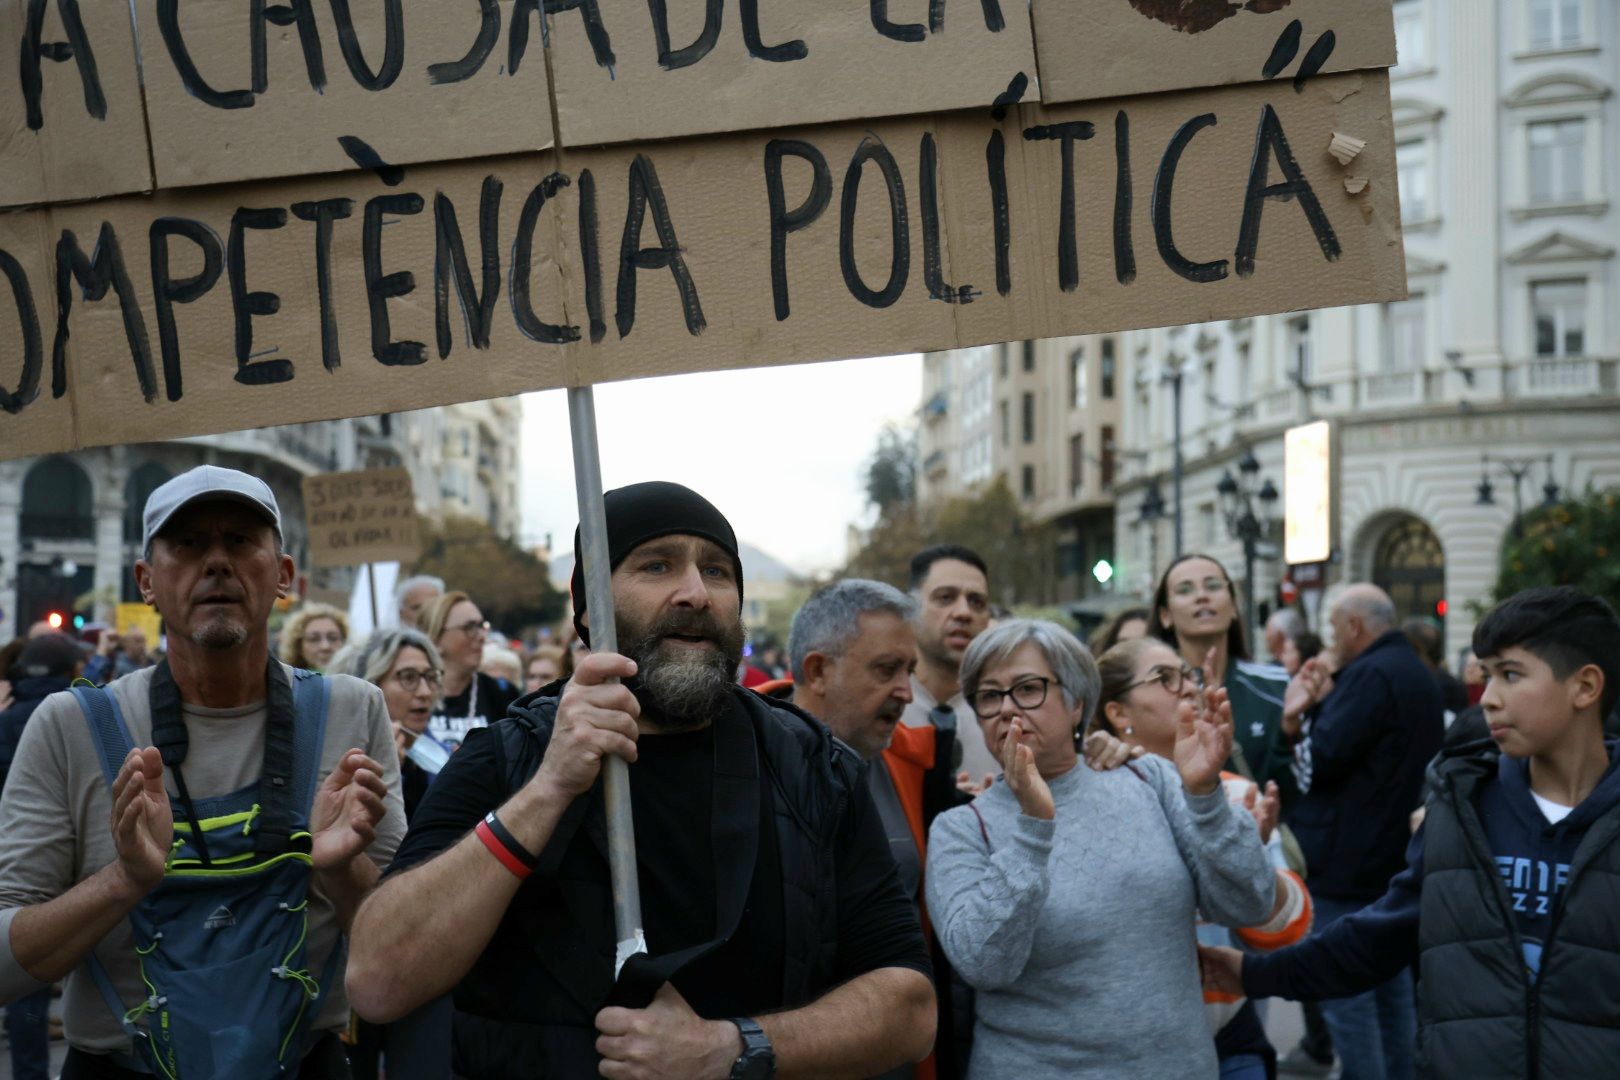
pixel 643 512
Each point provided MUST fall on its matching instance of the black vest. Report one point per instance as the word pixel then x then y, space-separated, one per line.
pixel 1479 1014
pixel 527 1008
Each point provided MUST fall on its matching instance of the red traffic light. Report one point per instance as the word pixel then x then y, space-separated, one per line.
pixel 55 620
pixel 1440 608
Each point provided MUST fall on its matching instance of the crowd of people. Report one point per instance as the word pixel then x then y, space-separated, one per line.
pixel 926 840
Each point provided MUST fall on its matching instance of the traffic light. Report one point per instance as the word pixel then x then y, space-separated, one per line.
pixel 78 622
pixel 54 620
pixel 1103 571
pixel 1440 609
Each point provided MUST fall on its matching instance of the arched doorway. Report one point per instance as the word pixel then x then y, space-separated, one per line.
pixel 58 525
pixel 1410 565
pixel 57 502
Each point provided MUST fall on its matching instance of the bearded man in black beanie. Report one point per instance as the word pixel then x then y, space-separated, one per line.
pixel 777 932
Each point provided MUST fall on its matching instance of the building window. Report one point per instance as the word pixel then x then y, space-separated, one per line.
pixel 1029 356
pixel 1106 465
pixel 1077 464
pixel 1245 387
pixel 1029 482
pixel 1077 378
pixel 1001 360
pixel 1411 34
pixel 1412 172
pixel 1559 309
pixel 1557 161
pixel 1405 333
pixel 1206 525
pixel 1006 423
pixel 1555 24
pixel 1029 418
pixel 1299 349
pixel 1110 369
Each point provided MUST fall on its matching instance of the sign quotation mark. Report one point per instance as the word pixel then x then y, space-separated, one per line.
pixel 1287 47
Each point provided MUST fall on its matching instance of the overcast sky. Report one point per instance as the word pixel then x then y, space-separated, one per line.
pixel 779 450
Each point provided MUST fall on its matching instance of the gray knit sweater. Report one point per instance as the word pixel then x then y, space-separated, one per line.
pixel 1078 933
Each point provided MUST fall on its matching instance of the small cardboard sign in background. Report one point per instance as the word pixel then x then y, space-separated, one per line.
pixel 361 517
pixel 1113 48
pixel 70 109
pixel 447 83
pixel 143 617
pixel 728 66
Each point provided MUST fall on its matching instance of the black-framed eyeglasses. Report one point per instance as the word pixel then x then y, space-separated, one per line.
pixel 1172 678
pixel 410 678
pixel 1026 694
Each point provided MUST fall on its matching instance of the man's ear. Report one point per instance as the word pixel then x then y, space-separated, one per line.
pixel 816 666
pixel 1586 687
pixel 286 574
pixel 143 582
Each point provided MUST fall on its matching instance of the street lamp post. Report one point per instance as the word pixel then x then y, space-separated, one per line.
pixel 1174 373
pixel 1238 503
pixel 1518 470
pixel 1152 514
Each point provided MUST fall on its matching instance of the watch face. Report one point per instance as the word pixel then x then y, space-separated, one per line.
pixel 755 1065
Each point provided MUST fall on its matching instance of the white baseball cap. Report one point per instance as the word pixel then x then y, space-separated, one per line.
pixel 210 483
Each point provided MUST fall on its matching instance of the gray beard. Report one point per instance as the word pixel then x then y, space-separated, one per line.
pixel 686 692
pixel 216 635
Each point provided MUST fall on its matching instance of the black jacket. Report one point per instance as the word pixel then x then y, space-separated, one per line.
pixel 1480 1015
pixel 527 1007
pixel 26 696
pixel 1360 769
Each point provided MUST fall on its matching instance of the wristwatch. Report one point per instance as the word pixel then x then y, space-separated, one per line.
pixel 758 1059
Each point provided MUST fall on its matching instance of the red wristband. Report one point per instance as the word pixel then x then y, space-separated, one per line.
pixel 499 850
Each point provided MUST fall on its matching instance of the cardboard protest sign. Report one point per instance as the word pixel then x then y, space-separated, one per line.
pixel 629 70
pixel 322 297
pixel 243 91
pixel 71 125
pixel 1111 48
pixel 361 517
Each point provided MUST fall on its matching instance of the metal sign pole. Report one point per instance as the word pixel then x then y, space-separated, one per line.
pixel 593 543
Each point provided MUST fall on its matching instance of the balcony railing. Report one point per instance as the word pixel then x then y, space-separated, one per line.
pixel 1559 377
pixel 1392 388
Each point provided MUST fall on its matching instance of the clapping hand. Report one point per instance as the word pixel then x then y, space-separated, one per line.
pixel 343 821
pixel 1203 739
pixel 142 821
pixel 1265 810
pixel 1306 690
pixel 1024 780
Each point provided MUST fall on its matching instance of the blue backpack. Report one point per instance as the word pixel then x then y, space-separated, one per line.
pixel 221 941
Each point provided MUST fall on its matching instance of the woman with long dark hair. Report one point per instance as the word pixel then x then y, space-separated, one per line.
pixel 1195 612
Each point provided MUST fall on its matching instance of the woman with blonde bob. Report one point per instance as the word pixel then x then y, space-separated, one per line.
pixel 1061 889
pixel 313 635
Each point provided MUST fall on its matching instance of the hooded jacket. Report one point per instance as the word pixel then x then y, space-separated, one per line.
pixel 1511 919
pixel 26 695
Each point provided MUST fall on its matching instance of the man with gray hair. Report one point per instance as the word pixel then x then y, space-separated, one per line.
pixel 1363 738
pixel 852 650
pixel 1285 625
pixel 413 595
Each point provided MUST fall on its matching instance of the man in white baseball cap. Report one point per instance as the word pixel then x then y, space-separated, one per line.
pixel 219 757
